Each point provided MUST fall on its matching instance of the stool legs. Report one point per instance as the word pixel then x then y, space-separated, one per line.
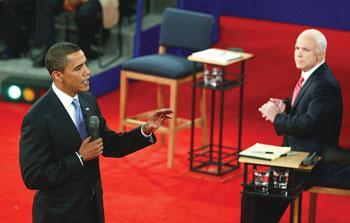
pixel 160 98
pixel 297 209
pixel 160 101
pixel 172 123
pixel 123 99
pixel 312 207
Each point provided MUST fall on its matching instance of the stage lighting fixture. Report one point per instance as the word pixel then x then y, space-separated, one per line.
pixel 14 92
pixel 20 89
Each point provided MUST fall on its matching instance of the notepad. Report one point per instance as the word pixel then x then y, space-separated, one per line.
pixel 218 55
pixel 265 151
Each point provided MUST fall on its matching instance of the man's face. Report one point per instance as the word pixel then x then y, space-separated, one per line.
pixel 306 55
pixel 75 76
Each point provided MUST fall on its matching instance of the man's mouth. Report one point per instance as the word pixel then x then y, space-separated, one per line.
pixel 85 81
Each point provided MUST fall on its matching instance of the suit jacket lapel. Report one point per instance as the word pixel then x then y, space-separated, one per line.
pixel 87 110
pixel 307 85
pixel 62 117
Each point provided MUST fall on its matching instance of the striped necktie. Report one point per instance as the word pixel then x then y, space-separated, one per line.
pixel 79 120
pixel 297 89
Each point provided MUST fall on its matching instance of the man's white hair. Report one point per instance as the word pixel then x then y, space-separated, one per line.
pixel 320 39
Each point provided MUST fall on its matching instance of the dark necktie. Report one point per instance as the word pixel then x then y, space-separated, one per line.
pixel 79 119
pixel 297 89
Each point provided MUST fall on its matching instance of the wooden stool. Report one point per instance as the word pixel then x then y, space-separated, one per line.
pixel 170 69
pixel 322 190
pixel 176 123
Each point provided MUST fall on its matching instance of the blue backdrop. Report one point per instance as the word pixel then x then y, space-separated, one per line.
pixel 324 13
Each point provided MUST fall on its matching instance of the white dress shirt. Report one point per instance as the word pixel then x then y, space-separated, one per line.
pixel 306 75
pixel 66 100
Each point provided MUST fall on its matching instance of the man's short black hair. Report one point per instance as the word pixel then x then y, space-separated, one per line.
pixel 56 56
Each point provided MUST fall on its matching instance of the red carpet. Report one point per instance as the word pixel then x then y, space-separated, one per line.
pixel 139 188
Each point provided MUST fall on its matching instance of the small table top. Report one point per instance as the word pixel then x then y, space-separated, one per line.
pixel 220 57
pixel 291 161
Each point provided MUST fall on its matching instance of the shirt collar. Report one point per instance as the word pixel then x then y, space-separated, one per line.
pixel 308 73
pixel 65 99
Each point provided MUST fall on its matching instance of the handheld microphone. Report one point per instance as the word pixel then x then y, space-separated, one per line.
pixel 309 160
pixel 93 126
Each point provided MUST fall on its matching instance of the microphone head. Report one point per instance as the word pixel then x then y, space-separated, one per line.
pixel 93 122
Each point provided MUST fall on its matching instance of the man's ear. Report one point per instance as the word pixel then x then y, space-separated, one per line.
pixel 57 76
pixel 321 56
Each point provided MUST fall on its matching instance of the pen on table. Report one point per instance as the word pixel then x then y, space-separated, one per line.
pixel 265 152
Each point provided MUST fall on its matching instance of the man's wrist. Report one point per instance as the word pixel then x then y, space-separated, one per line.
pixel 146 130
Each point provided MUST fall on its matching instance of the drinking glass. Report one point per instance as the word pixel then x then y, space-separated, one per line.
pixel 261 180
pixel 216 76
pixel 206 77
pixel 280 180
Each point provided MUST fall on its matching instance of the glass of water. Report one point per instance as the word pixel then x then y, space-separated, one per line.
pixel 216 76
pixel 280 180
pixel 206 76
pixel 261 180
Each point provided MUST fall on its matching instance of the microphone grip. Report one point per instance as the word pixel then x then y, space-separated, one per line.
pixel 95 134
pixel 94 125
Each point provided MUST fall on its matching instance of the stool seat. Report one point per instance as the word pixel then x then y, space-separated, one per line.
pixel 162 65
pixel 314 191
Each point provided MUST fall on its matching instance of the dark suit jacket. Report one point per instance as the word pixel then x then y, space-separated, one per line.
pixel 49 164
pixel 315 119
pixel 313 124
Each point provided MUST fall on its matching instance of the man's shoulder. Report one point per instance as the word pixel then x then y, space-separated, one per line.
pixel 329 79
pixel 325 77
pixel 42 107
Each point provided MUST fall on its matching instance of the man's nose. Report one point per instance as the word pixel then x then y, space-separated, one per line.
pixel 299 53
pixel 86 71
